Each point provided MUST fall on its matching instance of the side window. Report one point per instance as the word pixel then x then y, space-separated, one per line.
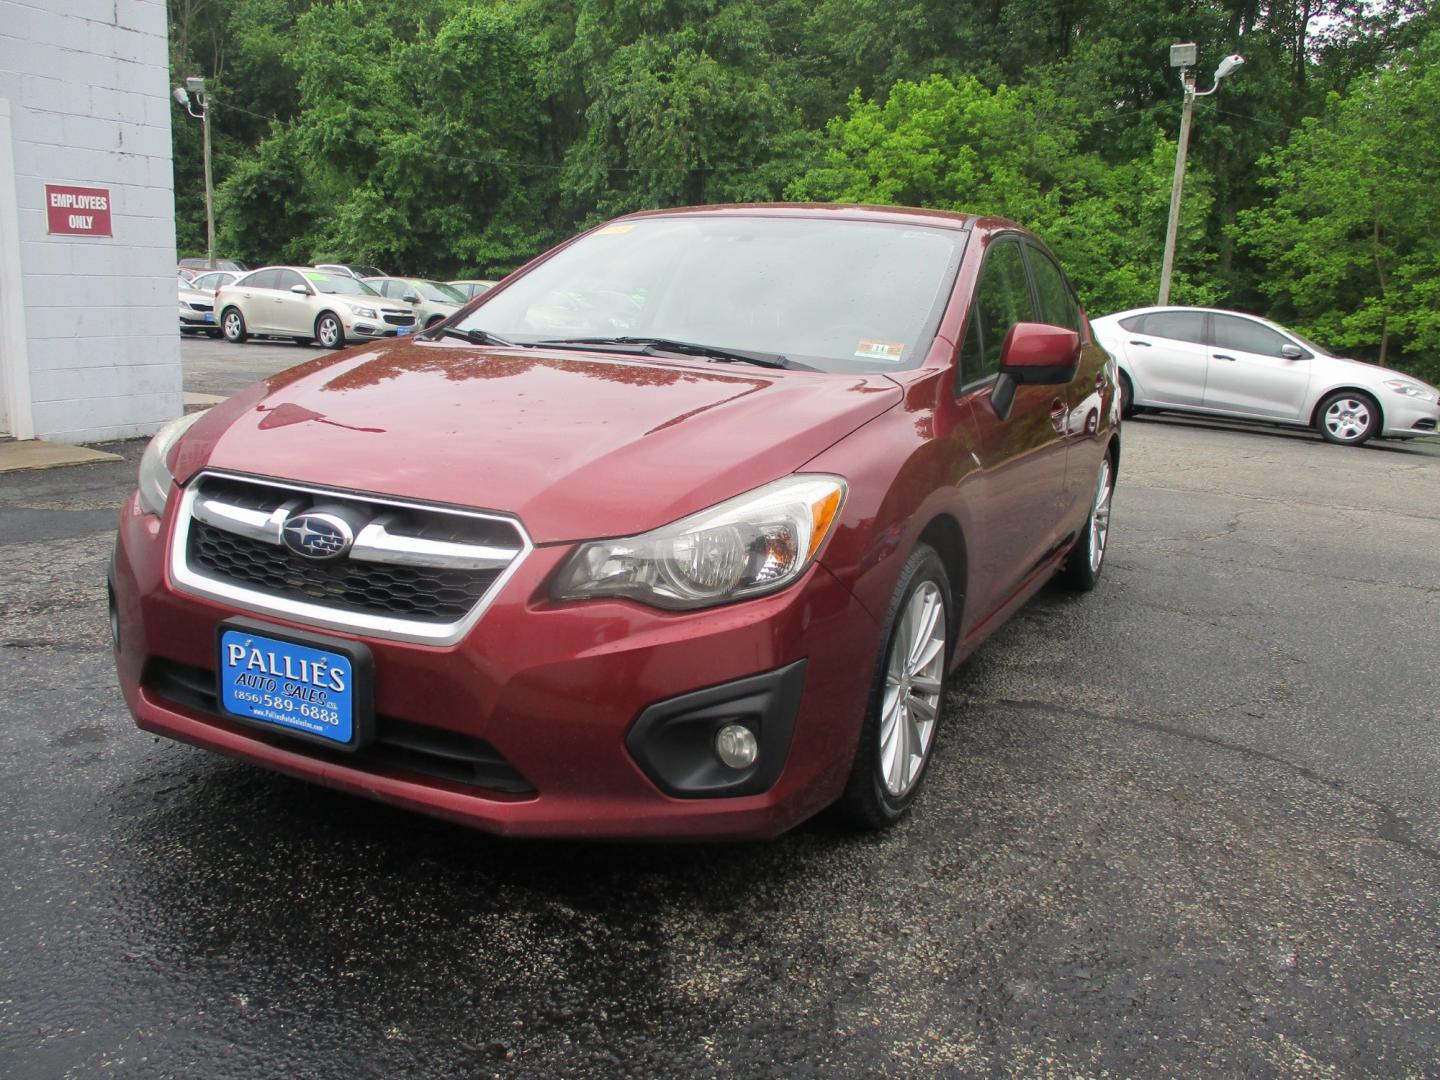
pixel 287 279
pixel 1243 335
pixel 1001 300
pixel 1057 302
pixel 388 287
pixel 264 279
pixel 1176 325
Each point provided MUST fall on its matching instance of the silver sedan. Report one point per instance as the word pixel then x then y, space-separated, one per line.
pixel 1242 367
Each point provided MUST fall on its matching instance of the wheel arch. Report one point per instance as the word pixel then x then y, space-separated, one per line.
pixel 943 533
pixel 1345 388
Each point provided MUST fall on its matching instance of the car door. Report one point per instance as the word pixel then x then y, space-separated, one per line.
pixel 1249 373
pixel 256 293
pixel 1013 496
pixel 1166 356
pixel 1090 392
pixel 293 311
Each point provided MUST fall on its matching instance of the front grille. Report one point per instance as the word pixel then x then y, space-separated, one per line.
pixel 411 570
pixel 399 745
pixel 412 592
pixel 400 320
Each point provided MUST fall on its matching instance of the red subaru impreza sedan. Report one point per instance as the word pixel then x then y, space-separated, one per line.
pixel 677 532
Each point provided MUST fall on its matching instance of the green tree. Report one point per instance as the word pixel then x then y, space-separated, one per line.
pixel 1011 152
pixel 1350 234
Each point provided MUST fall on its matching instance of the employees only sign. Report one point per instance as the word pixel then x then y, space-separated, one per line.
pixel 77 211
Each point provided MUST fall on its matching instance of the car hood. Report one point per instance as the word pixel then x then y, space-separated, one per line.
pixel 577 445
pixel 1370 376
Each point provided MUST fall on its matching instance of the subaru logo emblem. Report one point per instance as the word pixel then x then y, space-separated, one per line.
pixel 318 536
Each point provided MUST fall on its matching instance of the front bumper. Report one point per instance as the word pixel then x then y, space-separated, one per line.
pixel 1409 418
pixel 554 689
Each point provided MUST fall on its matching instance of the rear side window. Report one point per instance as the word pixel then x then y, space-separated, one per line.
pixel 1057 302
pixel 1001 300
pixel 1244 335
pixel 1175 325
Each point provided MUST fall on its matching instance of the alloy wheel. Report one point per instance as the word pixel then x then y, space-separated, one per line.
pixel 329 332
pixel 1100 516
pixel 914 680
pixel 1347 419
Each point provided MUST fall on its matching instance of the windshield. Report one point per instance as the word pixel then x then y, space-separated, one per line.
pixel 339 283
pixel 828 293
pixel 439 292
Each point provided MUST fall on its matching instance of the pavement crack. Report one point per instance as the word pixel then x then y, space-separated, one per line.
pixel 1393 829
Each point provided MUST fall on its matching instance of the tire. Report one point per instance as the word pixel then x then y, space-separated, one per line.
pixel 879 792
pixel 232 325
pixel 1348 418
pixel 1087 558
pixel 433 320
pixel 1127 397
pixel 330 331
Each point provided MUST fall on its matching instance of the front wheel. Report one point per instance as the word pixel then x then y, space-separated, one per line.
pixel 1087 557
pixel 329 331
pixel 232 324
pixel 1348 418
pixel 907 696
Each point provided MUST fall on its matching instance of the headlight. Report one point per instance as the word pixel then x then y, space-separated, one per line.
pixel 747 546
pixel 364 312
pixel 155 478
pixel 1410 389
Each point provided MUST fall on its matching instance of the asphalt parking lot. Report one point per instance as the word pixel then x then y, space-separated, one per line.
pixel 1187 824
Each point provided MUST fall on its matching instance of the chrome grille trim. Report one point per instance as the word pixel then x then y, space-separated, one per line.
pixel 381 546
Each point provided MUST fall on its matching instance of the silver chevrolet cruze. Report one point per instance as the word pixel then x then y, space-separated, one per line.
pixel 1242 367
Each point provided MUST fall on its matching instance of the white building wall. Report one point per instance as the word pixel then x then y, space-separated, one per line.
pixel 88 85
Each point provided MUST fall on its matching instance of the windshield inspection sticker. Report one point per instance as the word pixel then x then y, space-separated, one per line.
pixel 886 351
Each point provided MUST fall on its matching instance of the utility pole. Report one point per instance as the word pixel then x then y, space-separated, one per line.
pixel 192 95
pixel 1183 57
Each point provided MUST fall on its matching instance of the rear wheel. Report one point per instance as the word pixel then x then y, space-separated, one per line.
pixel 907 696
pixel 232 324
pixel 433 320
pixel 1127 397
pixel 1087 557
pixel 1348 418
pixel 329 331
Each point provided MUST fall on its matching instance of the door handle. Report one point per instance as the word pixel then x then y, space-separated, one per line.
pixel 1222 356
pixel 1145 343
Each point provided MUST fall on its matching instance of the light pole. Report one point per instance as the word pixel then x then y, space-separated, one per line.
pixel 1183 57
pixel 192 95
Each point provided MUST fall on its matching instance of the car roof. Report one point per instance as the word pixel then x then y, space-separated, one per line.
pixel 899 215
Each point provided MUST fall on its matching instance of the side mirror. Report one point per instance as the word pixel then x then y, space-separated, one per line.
pixel 1292 352
pixel 1037 354
pixel 299 290
pixel 410 298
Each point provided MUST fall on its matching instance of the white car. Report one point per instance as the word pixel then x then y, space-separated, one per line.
pixel 1242 367
pixel 197 301
pixel 308 305
pixel 433 301
pixel 354 270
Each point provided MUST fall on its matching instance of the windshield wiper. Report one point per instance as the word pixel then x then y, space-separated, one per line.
pixel 653 345
pixel 474 337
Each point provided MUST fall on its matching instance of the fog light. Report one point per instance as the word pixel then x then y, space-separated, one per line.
pixel 736 747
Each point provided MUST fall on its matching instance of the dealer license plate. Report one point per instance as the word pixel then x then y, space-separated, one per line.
pixel 209 316
pixel 401 331
pixel 300 688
